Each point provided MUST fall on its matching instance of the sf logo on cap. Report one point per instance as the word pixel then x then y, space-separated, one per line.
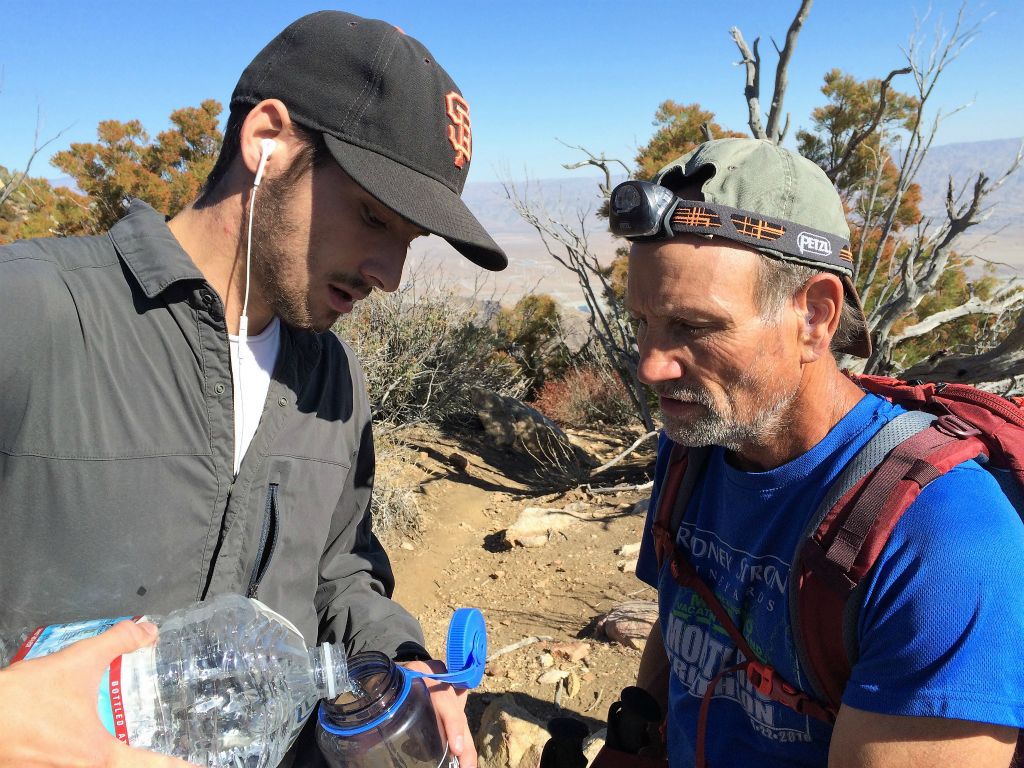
pixel 459 134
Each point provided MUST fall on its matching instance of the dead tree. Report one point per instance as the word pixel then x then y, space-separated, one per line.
pixel 567 244
pixel 752 90
pixel 11 182
pixel 922 258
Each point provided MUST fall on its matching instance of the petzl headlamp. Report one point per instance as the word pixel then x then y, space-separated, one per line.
pixel 642 211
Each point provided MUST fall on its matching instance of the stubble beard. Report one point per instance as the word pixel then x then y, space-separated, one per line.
pixel 283 279
pixel 714 427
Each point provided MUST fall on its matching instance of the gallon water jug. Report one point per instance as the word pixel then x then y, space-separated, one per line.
pixel 391 722
pixel 229 682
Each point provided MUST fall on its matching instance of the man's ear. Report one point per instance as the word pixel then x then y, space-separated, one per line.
pixel 267 120
pixel 820 304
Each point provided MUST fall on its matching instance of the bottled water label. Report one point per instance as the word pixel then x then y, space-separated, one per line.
pixel 121 685
pixel 46 640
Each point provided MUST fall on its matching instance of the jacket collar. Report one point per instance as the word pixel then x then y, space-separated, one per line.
pixel 151 252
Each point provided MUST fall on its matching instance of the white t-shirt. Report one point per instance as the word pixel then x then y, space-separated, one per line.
pixel 251 381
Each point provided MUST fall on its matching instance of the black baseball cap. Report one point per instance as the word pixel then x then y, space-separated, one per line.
pixel 390 115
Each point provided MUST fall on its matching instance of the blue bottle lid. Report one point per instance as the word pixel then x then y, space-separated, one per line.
pixel 466 650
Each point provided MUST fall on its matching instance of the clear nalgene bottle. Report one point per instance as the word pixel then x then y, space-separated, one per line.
pixel 390 722
pixel 228 683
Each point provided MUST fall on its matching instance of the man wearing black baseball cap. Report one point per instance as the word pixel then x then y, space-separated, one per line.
pixel 206 432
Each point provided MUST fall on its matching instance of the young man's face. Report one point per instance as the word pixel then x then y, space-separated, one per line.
pixel 321 243
pixel 724 375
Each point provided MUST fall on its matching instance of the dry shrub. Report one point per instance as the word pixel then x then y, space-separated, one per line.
pixel 584 396
pixel 423 352
pixel 394 509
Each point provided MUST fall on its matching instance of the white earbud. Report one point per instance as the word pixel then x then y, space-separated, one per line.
pixel 267 149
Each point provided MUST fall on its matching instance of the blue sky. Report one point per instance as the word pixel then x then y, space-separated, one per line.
pixel 588 73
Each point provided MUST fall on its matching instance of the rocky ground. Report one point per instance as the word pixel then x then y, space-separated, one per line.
pixel 543 603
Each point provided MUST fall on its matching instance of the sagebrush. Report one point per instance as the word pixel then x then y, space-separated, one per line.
pixel 423 353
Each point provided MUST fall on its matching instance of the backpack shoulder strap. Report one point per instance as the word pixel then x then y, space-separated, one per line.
pixel 684 468
pixel 848 532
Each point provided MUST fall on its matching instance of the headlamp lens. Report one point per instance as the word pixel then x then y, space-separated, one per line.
pixel 638 209
pixel 626 198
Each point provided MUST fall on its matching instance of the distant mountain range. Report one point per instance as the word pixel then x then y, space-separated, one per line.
pixel 999 239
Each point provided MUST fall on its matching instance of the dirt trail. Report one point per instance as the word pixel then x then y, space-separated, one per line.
pixel 558 590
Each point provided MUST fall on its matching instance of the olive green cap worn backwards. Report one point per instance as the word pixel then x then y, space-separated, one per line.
pixel 763 178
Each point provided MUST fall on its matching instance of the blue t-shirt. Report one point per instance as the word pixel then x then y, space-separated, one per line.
pixel 940 631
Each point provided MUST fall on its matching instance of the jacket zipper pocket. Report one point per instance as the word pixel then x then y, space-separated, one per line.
pixel 268 541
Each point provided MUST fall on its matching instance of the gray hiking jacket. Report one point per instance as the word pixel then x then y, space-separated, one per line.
pixel 117 494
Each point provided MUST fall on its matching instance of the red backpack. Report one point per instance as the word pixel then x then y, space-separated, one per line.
pixel 945 425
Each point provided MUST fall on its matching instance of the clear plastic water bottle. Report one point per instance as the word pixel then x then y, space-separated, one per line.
pixel 228 683
pixel 389 722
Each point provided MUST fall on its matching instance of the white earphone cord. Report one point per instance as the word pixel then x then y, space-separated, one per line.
pixel 267 146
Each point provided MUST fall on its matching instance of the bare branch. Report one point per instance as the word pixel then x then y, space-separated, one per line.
pixel 782 72
pixel 570 248
pixel 785 130
pixel 859 136
pixel 625 453
pixel 973 306
pixel 6 190
pixel 621 488
pixel 598 161
pixel 752 89
pixel 1005 361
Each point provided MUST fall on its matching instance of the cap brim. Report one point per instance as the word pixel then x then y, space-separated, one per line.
pixel 424 201
pixel 860 345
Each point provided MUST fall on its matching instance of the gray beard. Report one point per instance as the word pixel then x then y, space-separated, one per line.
pixel 714 428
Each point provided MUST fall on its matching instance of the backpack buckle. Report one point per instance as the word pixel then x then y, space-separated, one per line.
pixel 954 426
pixel 762 677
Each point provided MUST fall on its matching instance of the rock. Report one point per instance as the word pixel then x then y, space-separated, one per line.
pixel 552 676
pixel 509 736
pixel 572 685
pixel 458 461
pixel 546 660
pixel 593 743
pixel 535 524
pixel 496 669
pixel 628 549
pixel 497 575
pixel 515 425
pixel 629 623
pixel 628 566
pixel 407 545
pixel 573 652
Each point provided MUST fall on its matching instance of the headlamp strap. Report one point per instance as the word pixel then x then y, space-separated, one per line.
pixel 807 244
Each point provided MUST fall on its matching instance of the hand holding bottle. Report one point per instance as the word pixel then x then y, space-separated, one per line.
pixel 48 714
pixel 449 705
